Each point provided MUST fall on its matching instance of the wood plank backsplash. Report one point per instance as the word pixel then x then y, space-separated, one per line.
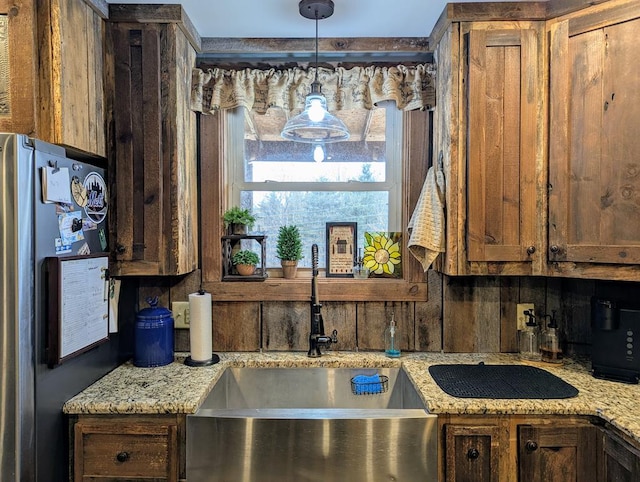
pixel 463 314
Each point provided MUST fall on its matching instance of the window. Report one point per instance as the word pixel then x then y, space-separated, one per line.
pixel 284 183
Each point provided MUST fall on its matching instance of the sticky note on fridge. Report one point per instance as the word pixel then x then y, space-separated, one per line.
pixel 56 185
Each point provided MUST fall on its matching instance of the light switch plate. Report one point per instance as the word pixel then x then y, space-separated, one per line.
pixel 521 318
pixel 180 311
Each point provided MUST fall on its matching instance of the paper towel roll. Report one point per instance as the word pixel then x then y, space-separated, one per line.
pixel 200 327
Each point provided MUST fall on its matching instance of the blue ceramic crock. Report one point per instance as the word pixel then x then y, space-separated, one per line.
pixel 153 336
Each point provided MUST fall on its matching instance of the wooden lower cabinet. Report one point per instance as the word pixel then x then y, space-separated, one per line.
pixel 128 448
pixel 472 453
pixel 562 452
pixel 477 448
pixel 620 460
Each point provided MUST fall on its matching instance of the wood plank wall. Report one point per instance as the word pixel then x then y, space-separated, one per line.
pixel 284 325
pixel 463 314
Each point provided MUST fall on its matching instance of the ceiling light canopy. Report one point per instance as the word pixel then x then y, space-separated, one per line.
pixel 315 124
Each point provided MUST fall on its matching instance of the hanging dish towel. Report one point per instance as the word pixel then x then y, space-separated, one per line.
pixel 427 221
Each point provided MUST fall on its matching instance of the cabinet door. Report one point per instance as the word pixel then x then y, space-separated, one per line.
pixel 153 167
pixel 502 144
pixel 556 453
pixel 594 146
pixel 472 453
pixel 620 461
pixel 71 93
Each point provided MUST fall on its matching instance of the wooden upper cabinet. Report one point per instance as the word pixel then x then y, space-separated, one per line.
pixel 502 99
pixel 53 83
pixel 594 146
pixel 71 94
pixel 19 73
pixel 537 122
pixel 153 163
pixel 489 126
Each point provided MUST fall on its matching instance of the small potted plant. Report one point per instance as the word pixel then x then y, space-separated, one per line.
pixel 238 220
pixel 289 249
pixel 245 262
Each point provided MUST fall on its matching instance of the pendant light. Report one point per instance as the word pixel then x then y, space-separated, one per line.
pixel 315 124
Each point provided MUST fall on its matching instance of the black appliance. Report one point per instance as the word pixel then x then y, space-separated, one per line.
pixel 616 340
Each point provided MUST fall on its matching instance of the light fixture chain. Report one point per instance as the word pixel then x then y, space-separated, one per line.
pixel 316 76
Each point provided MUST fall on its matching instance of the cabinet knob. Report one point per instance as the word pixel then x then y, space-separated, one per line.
pixel 120 249
pixel 473 454
pixel 122 456
pixel 554 249
pixel 531 446
pixel 531 250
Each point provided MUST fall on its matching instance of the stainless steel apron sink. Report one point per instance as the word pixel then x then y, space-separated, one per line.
pixel 310 424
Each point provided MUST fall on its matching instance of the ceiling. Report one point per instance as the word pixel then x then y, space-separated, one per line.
pixel 281 19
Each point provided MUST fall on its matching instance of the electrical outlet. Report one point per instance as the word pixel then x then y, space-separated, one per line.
pixel 180 311
pixel 521 318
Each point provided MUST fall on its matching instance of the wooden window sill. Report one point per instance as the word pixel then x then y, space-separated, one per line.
pixel 329 289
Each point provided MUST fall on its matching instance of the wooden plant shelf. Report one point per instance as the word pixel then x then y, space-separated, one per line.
pixel 228 271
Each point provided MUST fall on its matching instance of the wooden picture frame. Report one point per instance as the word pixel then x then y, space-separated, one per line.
pixel 77 305
pixel 341 249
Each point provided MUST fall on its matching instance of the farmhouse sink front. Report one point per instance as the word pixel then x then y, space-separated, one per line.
pixel 275 424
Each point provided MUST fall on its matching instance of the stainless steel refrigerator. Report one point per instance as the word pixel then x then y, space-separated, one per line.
pixel 34 434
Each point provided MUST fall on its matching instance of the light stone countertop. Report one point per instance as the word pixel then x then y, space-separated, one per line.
pixel 177 388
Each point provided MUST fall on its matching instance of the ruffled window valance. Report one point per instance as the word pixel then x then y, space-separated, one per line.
pixel 359 87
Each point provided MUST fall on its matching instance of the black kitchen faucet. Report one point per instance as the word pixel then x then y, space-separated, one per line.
pixel 317 338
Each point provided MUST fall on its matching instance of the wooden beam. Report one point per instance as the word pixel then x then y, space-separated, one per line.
pixel 156 14
pixel 299 289
pixel 556 8
pixel 486 12
pixel 494 11
pixel 215 45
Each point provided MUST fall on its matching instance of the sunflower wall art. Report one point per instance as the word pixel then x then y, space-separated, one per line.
pixel 383 254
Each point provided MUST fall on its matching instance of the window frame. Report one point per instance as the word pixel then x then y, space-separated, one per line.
pixel 214 195
pixel 235 121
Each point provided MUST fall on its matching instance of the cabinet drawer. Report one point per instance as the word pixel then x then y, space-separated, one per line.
pixel 136 451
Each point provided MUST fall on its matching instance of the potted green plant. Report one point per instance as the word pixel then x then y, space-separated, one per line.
pixel 245 262
pixel 238 220
pixel 289 249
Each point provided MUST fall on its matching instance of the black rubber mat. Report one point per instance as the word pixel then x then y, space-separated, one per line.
pixel 500 381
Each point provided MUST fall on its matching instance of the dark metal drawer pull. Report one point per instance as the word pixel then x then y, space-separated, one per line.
pixel 473 454
pixel 122 456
